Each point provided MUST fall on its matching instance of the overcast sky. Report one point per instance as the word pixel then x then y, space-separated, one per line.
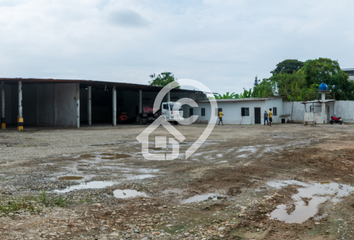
pixel 222 43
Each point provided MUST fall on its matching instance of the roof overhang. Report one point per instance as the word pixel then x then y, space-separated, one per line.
pixel 239 100
pixel 85 83
pixel 319 101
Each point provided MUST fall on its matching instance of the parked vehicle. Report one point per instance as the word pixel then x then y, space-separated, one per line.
pixel 336 120
pixel 172 116
pixel 147 116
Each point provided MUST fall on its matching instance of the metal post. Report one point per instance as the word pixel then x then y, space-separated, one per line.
pixel 78 105
pixel 169 97
pixel 140 101
pixel 20 115
pixel 114 99
pixel 89 106
pixel 3 124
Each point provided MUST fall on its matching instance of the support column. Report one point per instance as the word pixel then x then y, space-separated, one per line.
pixel 20 114
pixel 323 112
pixel 89 106
pixel 169 97
pixel 114 108
pixel 78 105
pixel 140 101
pixel 3 124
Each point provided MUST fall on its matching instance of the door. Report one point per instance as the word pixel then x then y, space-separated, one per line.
pixel 257 115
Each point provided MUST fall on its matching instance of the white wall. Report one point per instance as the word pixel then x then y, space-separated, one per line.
pixel 344 109
pixel 232 111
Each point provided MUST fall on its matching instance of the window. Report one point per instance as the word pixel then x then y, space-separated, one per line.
pixel 245 112
pixel 165 106
pixel 274 111
pixel 203 112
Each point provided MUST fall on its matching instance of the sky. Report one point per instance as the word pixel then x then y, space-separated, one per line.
pixel 222 43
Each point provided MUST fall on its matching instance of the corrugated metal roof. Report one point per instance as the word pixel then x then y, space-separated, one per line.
pixel 347 69
pixel 86 83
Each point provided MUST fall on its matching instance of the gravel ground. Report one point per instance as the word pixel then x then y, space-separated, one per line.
pixel 220 192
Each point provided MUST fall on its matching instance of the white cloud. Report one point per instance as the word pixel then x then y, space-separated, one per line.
pixel 222 43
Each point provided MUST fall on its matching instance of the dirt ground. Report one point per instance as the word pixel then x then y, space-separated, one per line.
pixel 287 181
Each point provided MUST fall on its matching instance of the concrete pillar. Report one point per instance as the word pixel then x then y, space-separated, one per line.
pixel 323 112
pixel 20 114
pixel 169 97
pixel 3 124
pixel 89 105
pixel 140 101
pixel 114 108
pixel 78 105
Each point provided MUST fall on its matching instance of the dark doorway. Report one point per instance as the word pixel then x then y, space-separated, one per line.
pixel 257 115
pixel 190 112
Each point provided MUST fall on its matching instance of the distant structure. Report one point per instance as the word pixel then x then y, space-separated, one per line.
pixel 350 72
pixel 256 81
pixel 318 111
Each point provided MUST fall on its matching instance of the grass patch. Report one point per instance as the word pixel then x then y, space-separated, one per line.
pixel 174 228
pixel 31 204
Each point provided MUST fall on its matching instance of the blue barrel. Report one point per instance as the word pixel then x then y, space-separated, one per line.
pixel 323 87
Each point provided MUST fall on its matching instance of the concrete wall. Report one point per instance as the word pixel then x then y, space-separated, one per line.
pixel 344 109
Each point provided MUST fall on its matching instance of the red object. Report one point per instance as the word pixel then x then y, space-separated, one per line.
pixel 336 119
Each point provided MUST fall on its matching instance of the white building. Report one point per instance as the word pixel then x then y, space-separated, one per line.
pixel 350 72
pixel 240 111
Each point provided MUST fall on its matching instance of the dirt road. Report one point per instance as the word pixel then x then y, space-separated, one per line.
pixel 287 181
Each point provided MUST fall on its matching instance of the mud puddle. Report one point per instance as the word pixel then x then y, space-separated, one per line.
pixel 127 193
pixel 203 197
pixel 86 185
pixel 102 156
pixel 70 178
pixel 308 199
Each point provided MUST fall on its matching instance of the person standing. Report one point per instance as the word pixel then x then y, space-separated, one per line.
pixel 270 117
pixel 220 117
pixel 265 116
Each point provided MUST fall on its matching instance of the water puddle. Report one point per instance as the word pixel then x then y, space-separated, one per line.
pixel 222 162
pixel 88 185
pixel 113 156
pixel 102 156
pixel 127 193
pixel 143 176
pixel 308 199
pixel 203 197
pixel 83 165
pixel 70 178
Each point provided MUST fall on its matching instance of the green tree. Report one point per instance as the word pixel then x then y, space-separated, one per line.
pixel 328 71
pixel 162 79
pixel 266 88
pixel 288 66
pixel 227 95
pixel 293 87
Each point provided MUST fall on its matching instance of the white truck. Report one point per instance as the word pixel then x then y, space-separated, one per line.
pixel 167 112
pixel 172 112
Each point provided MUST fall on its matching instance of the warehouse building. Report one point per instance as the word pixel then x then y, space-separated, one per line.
pixel 72 103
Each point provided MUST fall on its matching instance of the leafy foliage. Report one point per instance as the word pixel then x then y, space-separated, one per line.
pixel 162 79
pixel 227 95
pixel 288 66
pixel 328 71
pixel 294 80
